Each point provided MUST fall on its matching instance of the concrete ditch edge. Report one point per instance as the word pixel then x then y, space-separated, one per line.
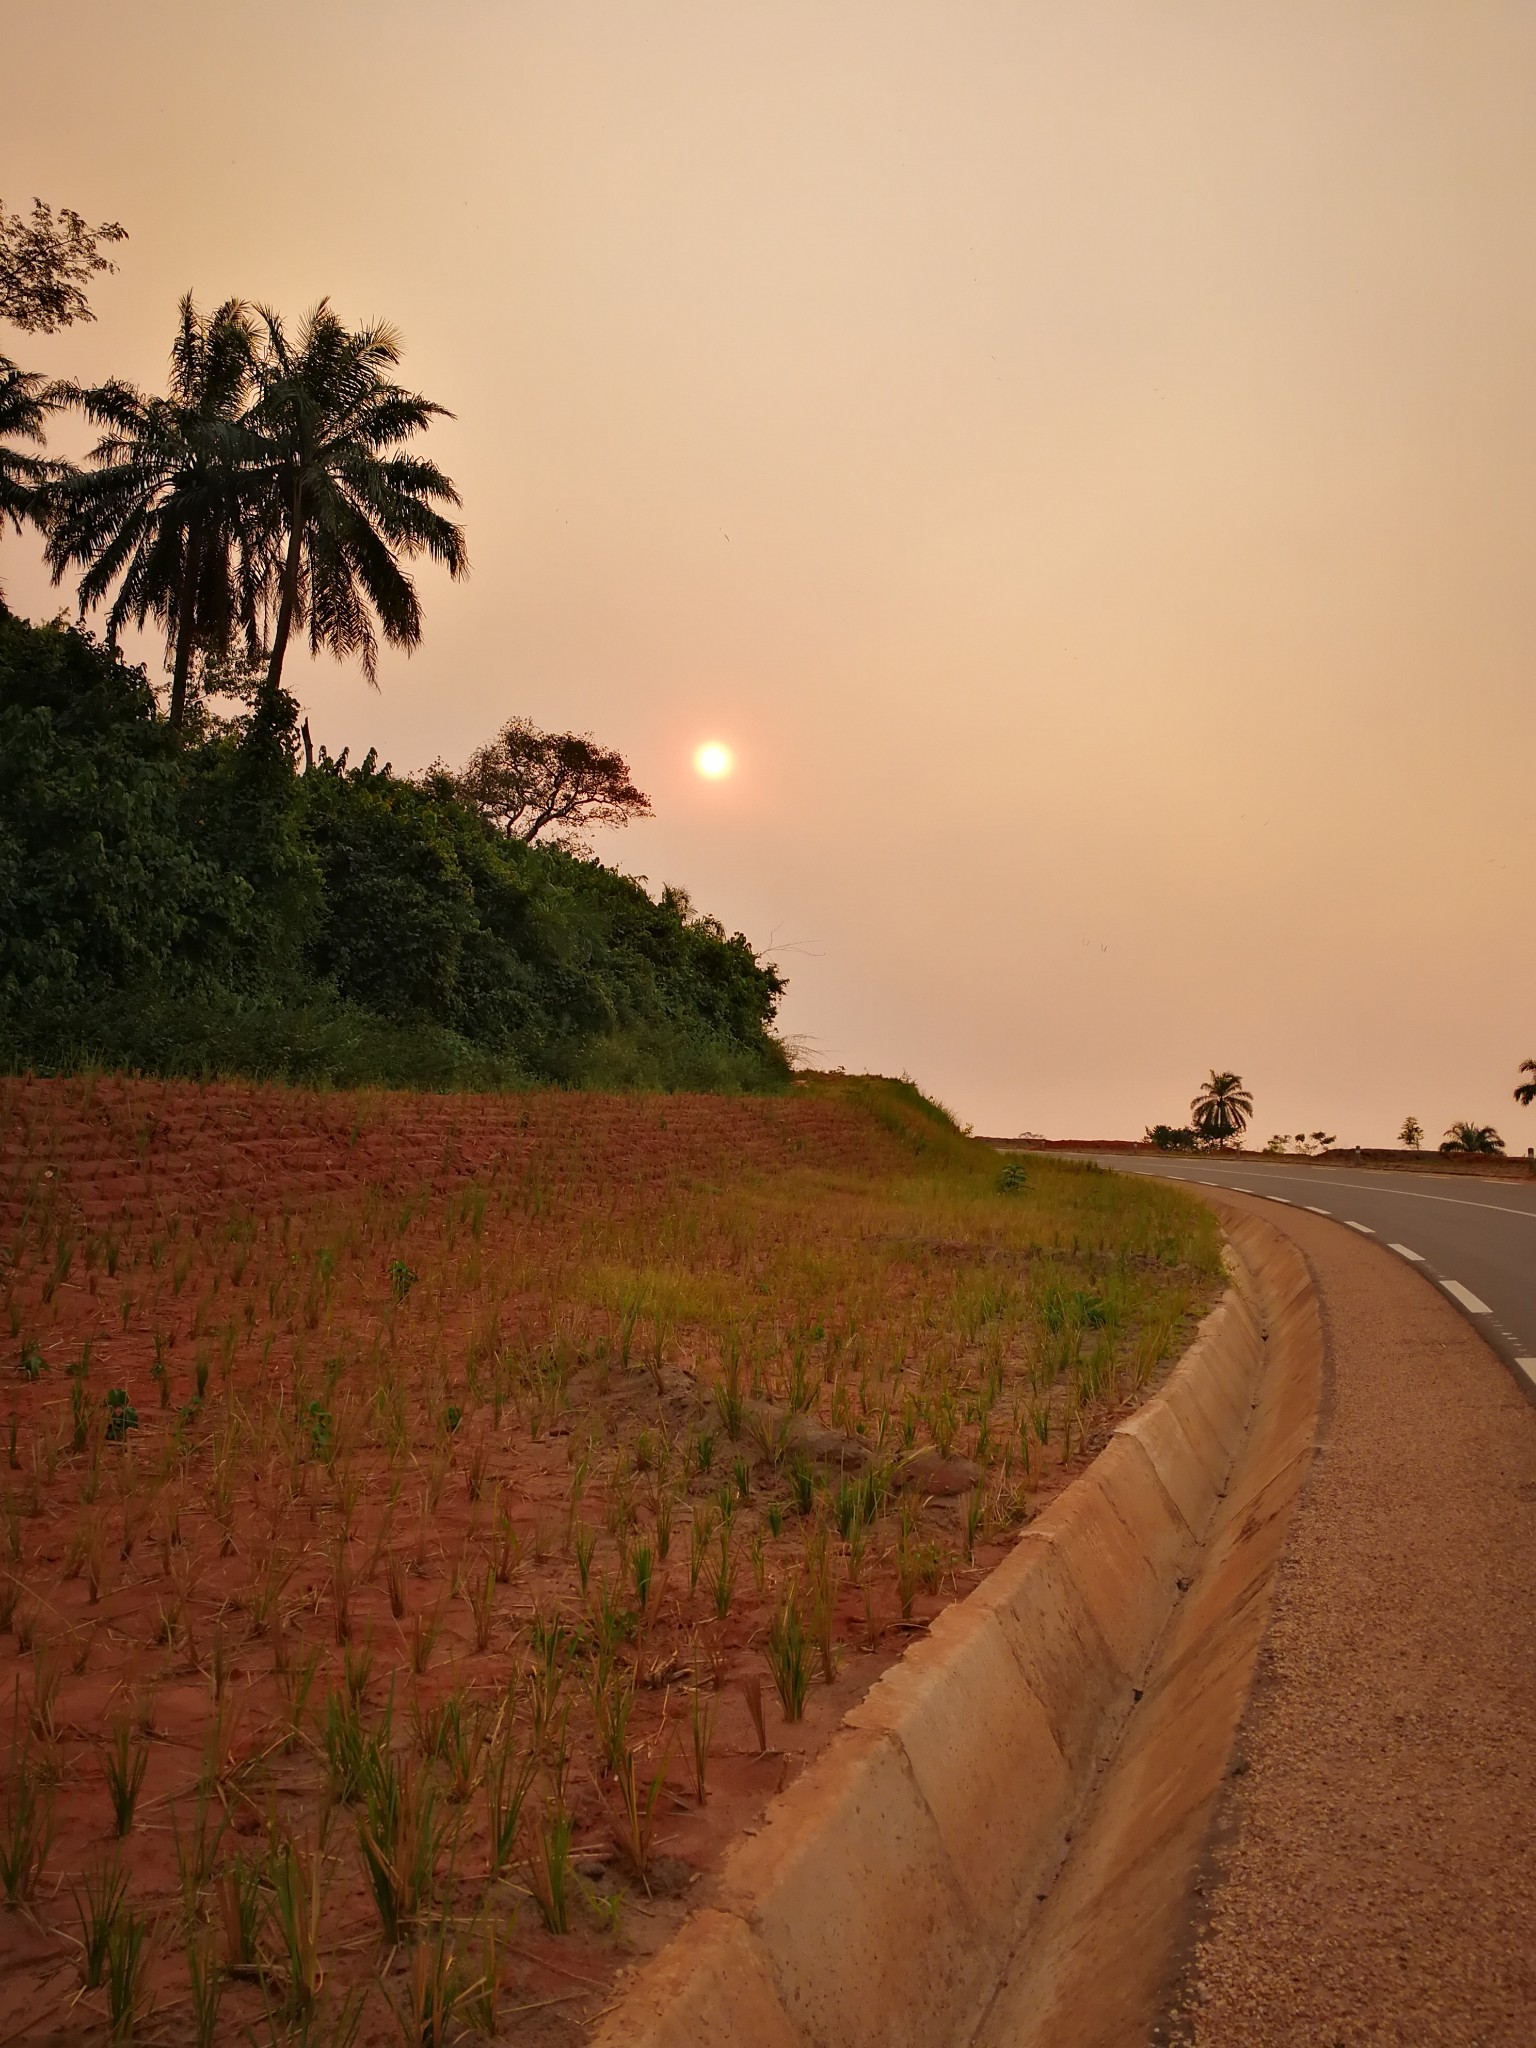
pixel 890 1886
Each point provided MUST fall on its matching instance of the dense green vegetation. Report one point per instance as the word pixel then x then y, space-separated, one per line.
pixel 191 903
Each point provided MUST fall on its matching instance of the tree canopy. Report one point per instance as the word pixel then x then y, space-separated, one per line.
pixel 46 262
pixel 195 904
pixel 528 782
pixel 1221 1108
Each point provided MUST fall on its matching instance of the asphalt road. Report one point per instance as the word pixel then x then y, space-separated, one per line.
pixel 1474 1239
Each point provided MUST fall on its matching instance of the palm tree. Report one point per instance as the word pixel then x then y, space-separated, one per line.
pixel 1221 1108
pixel 1470 1137
pixel 24 404
pixel 164 508
pixel 343 503
pixel 1526 1092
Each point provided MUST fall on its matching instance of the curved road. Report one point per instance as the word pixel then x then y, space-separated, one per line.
pixel 1475 1239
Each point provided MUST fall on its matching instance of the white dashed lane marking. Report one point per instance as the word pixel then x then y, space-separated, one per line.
pixel 1314 1209
pixel 1528 1367
pixel 1417 1257
pixel 1364 1229
pixel 1467 1298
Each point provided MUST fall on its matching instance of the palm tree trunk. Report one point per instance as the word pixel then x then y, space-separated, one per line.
pixel 289 602
pixel 185 623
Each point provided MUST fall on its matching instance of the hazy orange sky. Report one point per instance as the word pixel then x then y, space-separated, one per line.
pixel 1081 457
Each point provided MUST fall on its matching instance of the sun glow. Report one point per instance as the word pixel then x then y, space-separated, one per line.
pixel 713 760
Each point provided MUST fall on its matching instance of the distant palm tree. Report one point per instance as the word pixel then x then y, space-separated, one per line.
pixel 24 405
pixel 1526 1092
pixel 1221 1108
pixel 163 509
pixel 1469 1137
pixel 343 505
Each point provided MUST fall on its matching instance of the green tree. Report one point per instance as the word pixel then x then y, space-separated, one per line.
pixel 46 262
pixel 1221 1109
pixel 1412 1133
pixel 1470 1137
pixel 1526 1091
pixel 24 405
pixel 343 505
pixel 527 782
pixel 166 509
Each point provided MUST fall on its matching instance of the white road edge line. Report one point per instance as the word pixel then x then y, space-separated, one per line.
pixel 1313 1210
pixel 1364 1229
pixel 1417 1257
pixel 1467 1298
pixel 1283 1198
pixel 1528 1367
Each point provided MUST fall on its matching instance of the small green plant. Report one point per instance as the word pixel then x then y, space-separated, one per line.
pixel 121 1415
pixel 701 1714
pixel 789 1658
pixel 975 1520
pixel 196 1849
pixel 98 1900
pixel 1013 1179
pixel 549 1870
pixel 240 1912
pixel 294 1875
pixel 481 1595
pixel 401 1835
pixel 635 1824
pixel 206 1981
pixel 128 1951
pixel 435 1991
pixel 724 1574
pixel 26 1817
pixel 80 1410
pixel 31 1365
pixel 507 1782
pixel 802 1481
pixel 402 1279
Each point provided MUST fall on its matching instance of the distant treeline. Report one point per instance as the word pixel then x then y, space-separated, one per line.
pixel 199 906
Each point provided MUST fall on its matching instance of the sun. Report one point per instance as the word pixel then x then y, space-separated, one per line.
pixel 713 760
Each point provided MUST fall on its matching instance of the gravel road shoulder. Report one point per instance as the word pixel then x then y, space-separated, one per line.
pixel 1374 1879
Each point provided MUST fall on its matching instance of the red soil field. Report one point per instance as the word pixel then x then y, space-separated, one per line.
pixel 450 1520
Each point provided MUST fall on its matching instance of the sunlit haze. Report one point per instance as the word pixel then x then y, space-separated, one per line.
pixel 713 760
pixel 1083 454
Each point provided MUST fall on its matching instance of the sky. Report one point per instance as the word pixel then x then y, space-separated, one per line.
pixel 1081 457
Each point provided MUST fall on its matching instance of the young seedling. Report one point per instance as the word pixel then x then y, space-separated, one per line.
pixel 752 1693
pixel 295 1876
pixel 789 1657
pixel 702 1711
pixel 507 1784
pixel 584 1542
pixel 196 1849
pixel 206 1981
pixel 634 1826
pixel 240 1911
pixel 98 1900
pixel 481 1595
pixel 128 1952
pixel 26 1817
pixel 549 1870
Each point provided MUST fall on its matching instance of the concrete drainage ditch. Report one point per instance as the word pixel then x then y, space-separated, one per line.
pixel 1000 1845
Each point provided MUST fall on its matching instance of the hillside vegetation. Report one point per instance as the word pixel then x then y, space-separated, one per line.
pixel 192 904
